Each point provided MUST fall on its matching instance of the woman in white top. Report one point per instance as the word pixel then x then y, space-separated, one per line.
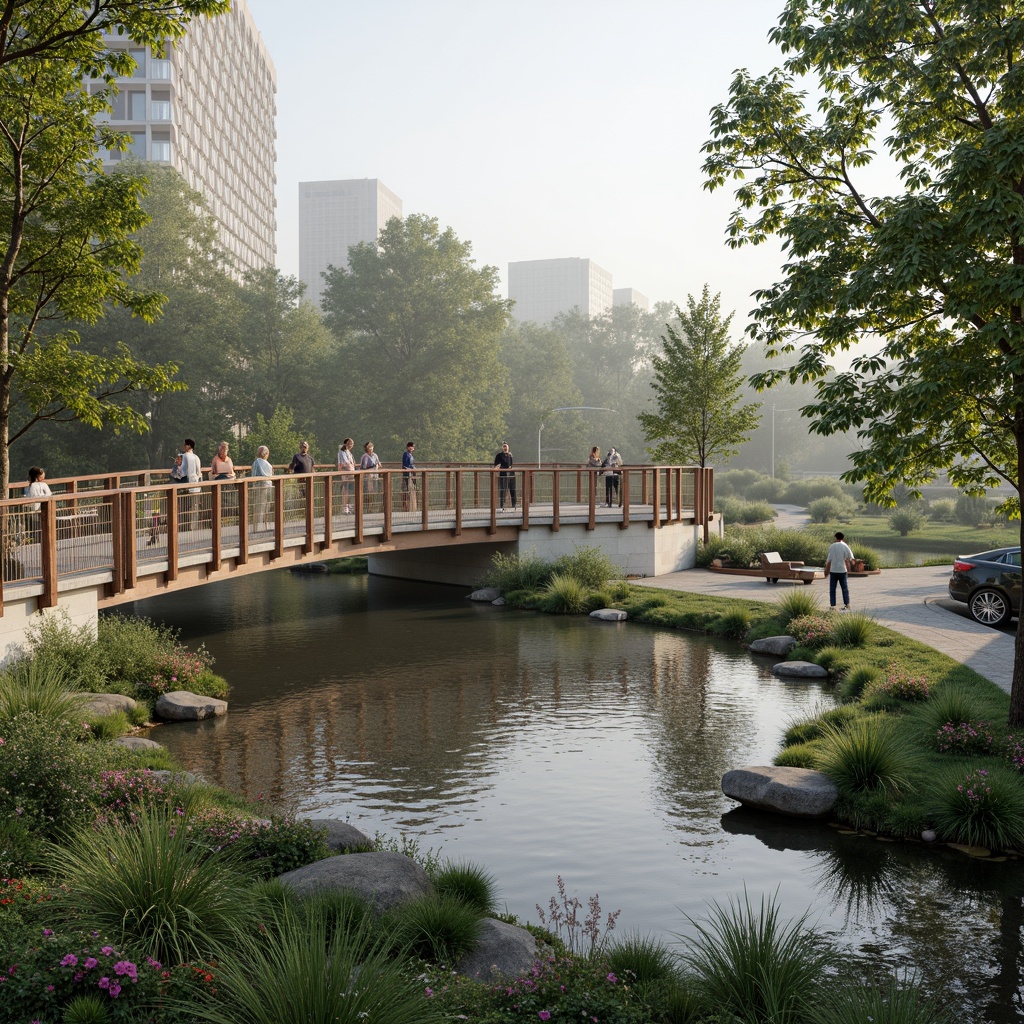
pixel 347 465
pixel 37 487
pixel 261 490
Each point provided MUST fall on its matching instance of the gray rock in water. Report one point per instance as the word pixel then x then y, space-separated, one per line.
pixel 799 792
pixel 182 706
pixel 341 836
pixel 499 601
pixel 798 670
pixel 98 705
pixel 778 645
pixel 167 778
pixel 503 950
pixel 385 879
pixel 609 615
pixel 929 836
pixel 137 743
pixel 485 594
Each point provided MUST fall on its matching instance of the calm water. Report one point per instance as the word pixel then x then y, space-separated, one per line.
pixel 539 745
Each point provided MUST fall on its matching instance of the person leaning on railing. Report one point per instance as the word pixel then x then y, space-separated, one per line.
pixel 37 488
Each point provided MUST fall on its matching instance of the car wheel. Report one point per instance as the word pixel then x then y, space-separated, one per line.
pixel 990 607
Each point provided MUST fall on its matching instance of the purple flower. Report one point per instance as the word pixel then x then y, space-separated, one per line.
pixel 90 963
pixel 428 991
pixel 47 932
pixel 69 961
pixel 126 967
pixel 115 990
pixel 544 1015
pixel 107 950
pixel 104 982
pixel 612 978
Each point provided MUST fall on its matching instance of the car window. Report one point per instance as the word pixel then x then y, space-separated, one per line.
pixel 1012 557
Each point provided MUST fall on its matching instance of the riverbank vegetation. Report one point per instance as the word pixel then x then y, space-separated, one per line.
pixel 741 547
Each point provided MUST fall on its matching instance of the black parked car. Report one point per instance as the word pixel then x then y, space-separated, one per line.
pixel 989 584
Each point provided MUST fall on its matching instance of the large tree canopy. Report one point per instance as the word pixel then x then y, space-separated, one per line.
pixel 65 228
pixel 898 196
pixel 420 326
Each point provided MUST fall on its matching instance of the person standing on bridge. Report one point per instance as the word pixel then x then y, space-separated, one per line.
pixel 369 463
pixel 612 461
pixel 191 472
pixel 37 488
pixel 506 478
pixel 409 477
pixel 346 466
pixel 261 490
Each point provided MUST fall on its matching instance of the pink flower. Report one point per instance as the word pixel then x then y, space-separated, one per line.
pixel 544 1015
pixel 115 990
pixel 428 991
pixel 69 961
pixel 107 950
pixel 90 963
pixel 612 978
pixel 104 983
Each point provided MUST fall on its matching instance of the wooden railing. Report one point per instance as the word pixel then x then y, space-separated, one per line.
pixel 123 525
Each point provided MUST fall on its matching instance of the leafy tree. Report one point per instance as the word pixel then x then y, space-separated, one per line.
pixel 281 436
pixel 65 227
pixel 419 326
pixel 697 384
pixel 926 101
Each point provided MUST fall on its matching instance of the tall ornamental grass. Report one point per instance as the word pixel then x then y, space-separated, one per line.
pixel 754 968
pixel 865 754
pixel 39 688
pixel 469 883
pixel 897 1000
pixel 566 594
pixel 151 886
pixel 796 604
pixel 438 927
pixel 307 969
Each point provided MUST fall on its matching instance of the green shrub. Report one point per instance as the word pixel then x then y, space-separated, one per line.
pixel 899 685
pixel 68 651
pixel 869 556
pixel 469 883
pixel 798 755
pixel 981 807
pixel 836 660
pixel 732 624
pixel 904 520
pixel 853 630
pixel 566 595
pixel 803 492
pixel 950 703
pixel 41 688
pixel 766 489
pixel 589 566
pixel 970 511
pixel 153 886
pixel 130 649
pixel 857 681
pixel 517 572
pixel 964 738
pixel 90 1009
pixel 46 777
pixel 796 604
pixel 181 669
pixel 830 510
pixel 438 927
pixel 270 846
pixel 107 727
pixel 755 968
pixel 642 957
pixel 736 510
pixel 942 510
pixel 897 1000
pixel 343 912
pixel 813 631
pixel 865 754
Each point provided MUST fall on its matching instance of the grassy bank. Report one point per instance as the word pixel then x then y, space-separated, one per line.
pixel 951 538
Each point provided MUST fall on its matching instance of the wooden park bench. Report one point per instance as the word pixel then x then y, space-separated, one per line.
pixel 773 568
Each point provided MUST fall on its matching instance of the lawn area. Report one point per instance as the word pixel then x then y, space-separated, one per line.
pixel 950 538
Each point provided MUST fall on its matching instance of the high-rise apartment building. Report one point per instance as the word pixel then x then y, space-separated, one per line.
pixel 630 297
pixel 334 215
pixel 541 289
pixel 207 108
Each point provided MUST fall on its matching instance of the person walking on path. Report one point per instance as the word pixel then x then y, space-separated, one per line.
pixel 612 461
pixel 837 565
pixel 506 478
pixel 409 477
pixel 347 466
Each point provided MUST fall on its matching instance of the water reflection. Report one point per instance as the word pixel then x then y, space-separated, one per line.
pixel 538 746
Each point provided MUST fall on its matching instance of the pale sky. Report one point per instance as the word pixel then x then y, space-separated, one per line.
pixel 536 129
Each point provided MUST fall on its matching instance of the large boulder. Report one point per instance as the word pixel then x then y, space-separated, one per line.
pixel 340 835
pixel 799 670
pixel 485 594
pixel 182 706
pixel 384 879
pixel 137 743
pixel 99 705
pixel 799 792
pixel 609 615
pixel 777 645
pixel 503 950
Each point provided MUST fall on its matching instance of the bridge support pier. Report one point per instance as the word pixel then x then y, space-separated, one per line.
pixel 23 612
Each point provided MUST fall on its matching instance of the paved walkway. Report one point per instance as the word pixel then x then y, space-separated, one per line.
pixel 914 602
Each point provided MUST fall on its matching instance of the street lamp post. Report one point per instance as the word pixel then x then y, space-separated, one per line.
pixel 773 436
pixel 568 408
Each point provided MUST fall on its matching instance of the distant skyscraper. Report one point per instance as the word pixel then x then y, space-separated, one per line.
pixel 630 296
pixel 542 289
pixel 334 215
pixel 207 108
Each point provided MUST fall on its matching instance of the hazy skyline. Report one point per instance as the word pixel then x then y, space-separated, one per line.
pixel 535 130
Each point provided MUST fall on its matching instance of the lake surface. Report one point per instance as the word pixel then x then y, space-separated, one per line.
pixel 538 746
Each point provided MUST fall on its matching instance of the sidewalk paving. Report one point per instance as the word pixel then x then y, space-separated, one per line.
pixel 910 601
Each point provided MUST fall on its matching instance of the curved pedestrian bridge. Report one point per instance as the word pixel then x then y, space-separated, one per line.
pixel 122 537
